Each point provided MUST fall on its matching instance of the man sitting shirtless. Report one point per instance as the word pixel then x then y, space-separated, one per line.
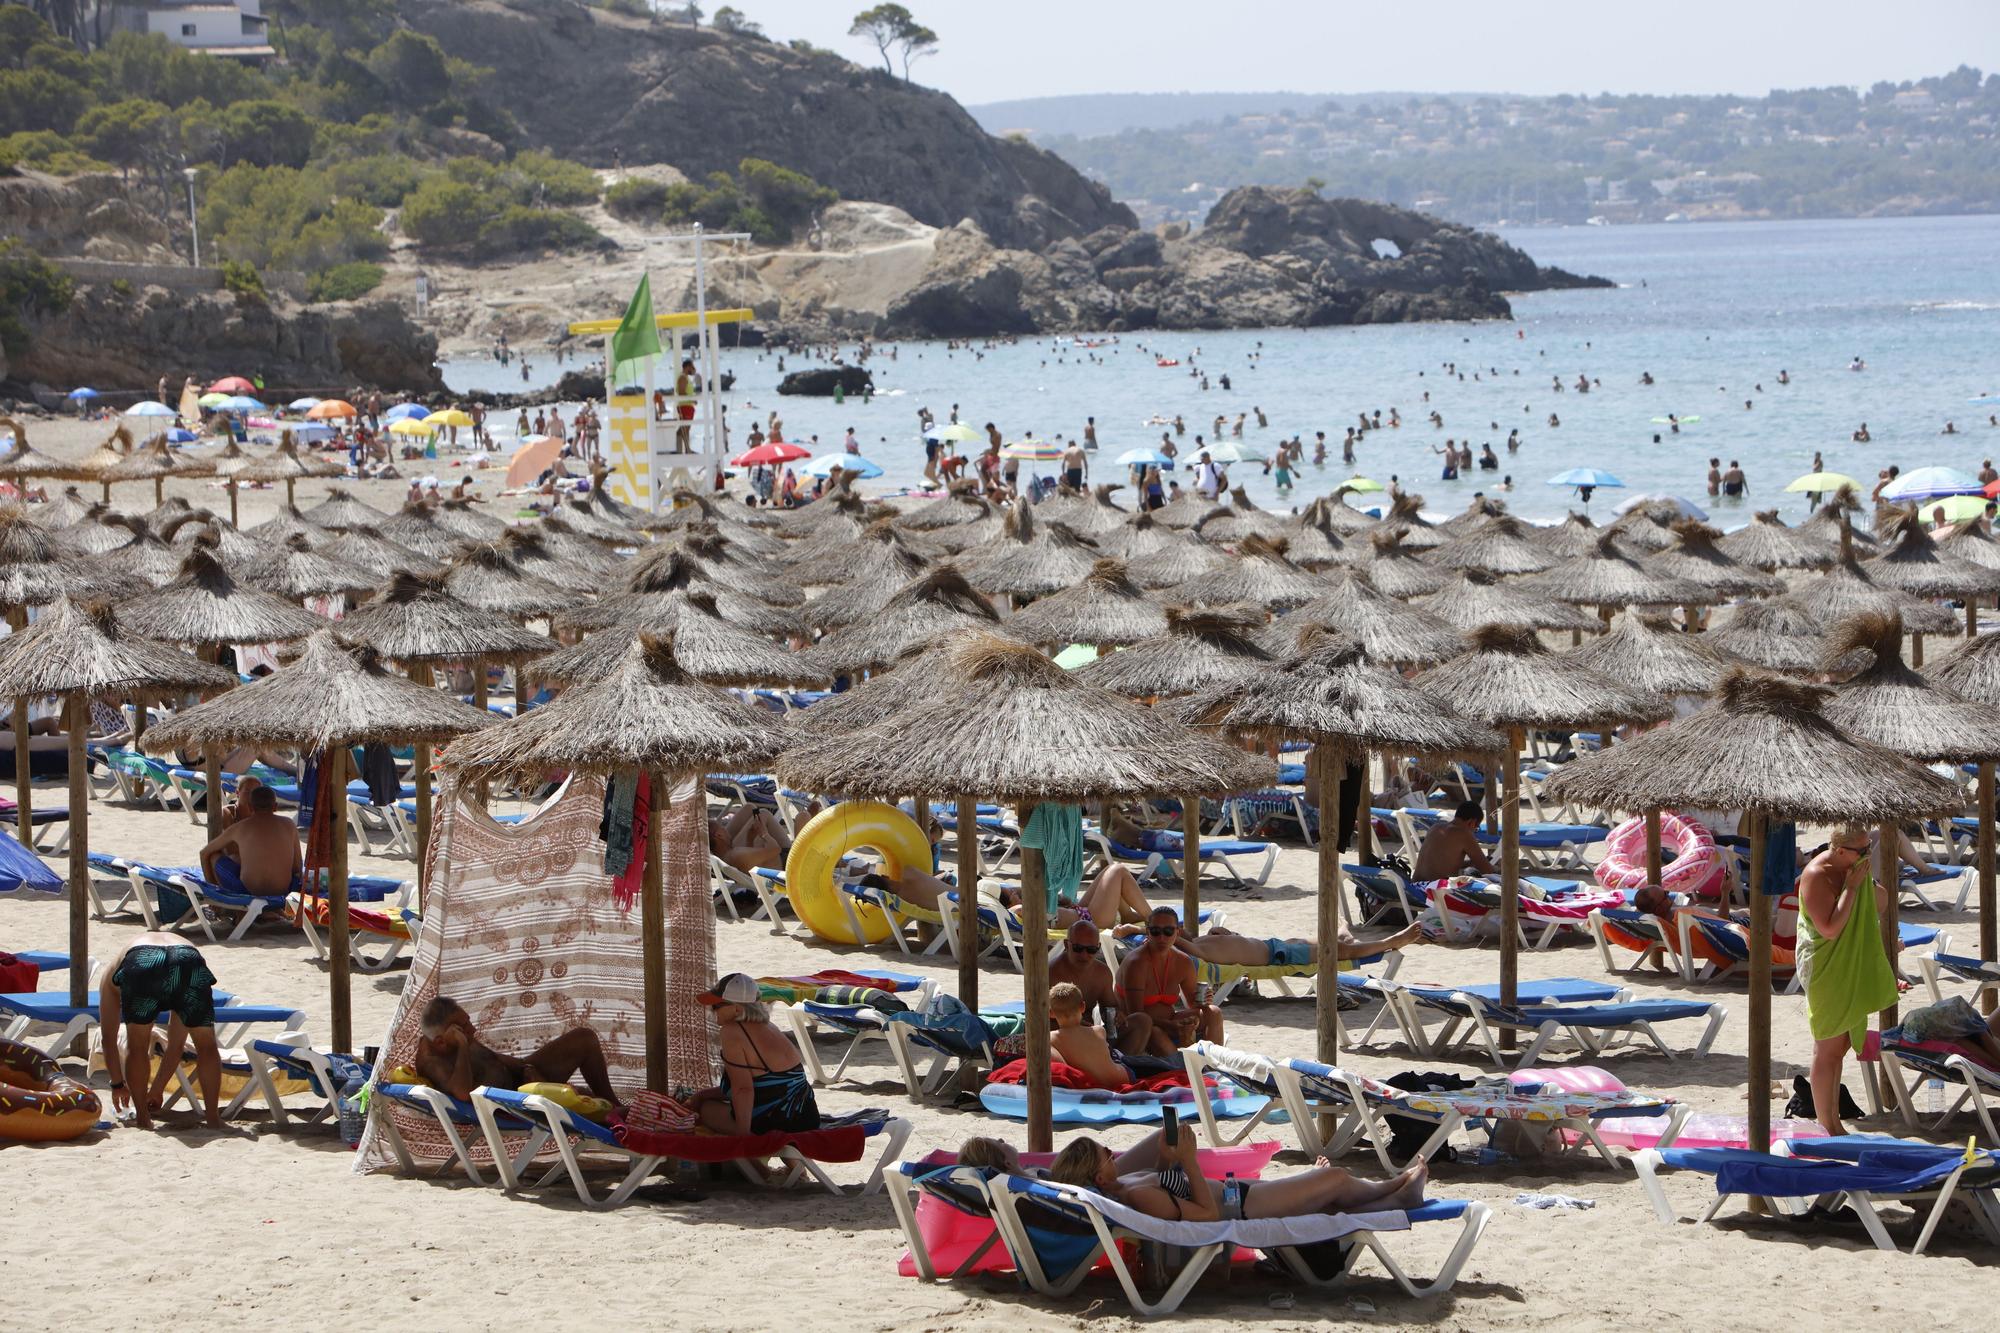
pixel 1081 964
pixel 1451 846
pixel 267 860
pixel 451 1057
pixel 1158 980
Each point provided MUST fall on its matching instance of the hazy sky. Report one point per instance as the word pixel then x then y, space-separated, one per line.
pixel 991 50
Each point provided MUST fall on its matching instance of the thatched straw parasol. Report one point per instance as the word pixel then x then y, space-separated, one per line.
pixel 1316 544
pixel 711 649
pixel 82 653
pixel 720 561
pixel 1575 535
pixel 282 526
pixel 416 528
pixel 154 462
pixel 1777 637
pixel 1419 533
pixel 1183 511
pixel 1199 649
pixel 24 462
pixel 530 552
pixel 637 602
pixel 575 540
pixel 962 503
pixel 101 462
pixel 1644 652
pixel 924 610
pixel 229 465
pixel 1484 599
pixel 1510 681
pixel 487 576
pixel 1396 568
pixel 298 572
pixel 1086 513
pixel 648 714
pixel 341 509
pixel 751 530
pixel 161 515
pixel 1912 563
pixel 1647 527
pixel 1761 746
pixel 333 697
pixel 1333 693
pixel 1501 544
pixel 1766 543
pixel 146 560
pixel 1261 575
pixel 468 521
pixel 1973 543
pixel 1106 609
pixel 1611 576
pixel 881 554
pixel 1390 630
pixel 1696 556
pixel 366 548
pixel 1157 556
pixel 1029 558
pixel 286 464
pixel 1849 588
pixel 98 531
pixel 1043 735
pixel 588 521
pixel 1476 512
pixel 1239 520
pixel 1334 512
pixel 1972 671
pixel 1830 518
pixel 66 508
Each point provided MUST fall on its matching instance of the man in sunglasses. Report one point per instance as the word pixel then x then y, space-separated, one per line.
pixel 1082 965
pixel 1158 980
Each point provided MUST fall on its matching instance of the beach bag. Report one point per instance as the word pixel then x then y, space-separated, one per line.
pixel 1407 1133
pixel 656 1113
pixel 17 975
pixel 1801 1105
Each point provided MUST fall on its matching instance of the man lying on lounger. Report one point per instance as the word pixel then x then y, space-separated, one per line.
pixel 267 859
pixel 1451 846
pixel 451 1056
pixel 1227 949
pixel 749 839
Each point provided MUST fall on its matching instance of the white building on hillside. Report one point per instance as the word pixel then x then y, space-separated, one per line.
pixel 235 28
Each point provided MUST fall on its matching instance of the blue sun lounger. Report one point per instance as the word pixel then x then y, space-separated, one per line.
pixel 1594 1027
pixel 1983 975
pixel 22 1010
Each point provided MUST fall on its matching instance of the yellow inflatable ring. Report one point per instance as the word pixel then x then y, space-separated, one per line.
pixel 815 856
pixel 38 1102
pixel 567 1097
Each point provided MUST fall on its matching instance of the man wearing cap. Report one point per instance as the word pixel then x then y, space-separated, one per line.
pixel 451 1057
pixel 1081 964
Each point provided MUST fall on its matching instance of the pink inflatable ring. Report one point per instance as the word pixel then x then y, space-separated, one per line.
pixel 1696 866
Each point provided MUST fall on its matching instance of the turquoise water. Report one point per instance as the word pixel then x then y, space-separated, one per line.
pixel 1710 310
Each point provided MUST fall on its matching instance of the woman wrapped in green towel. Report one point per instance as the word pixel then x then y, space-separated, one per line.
pixel 1841 960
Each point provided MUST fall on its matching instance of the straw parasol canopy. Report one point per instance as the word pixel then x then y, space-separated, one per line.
pixel 154 462
pixel 1396 568
pixel 24 462
pixel 468 521
pixel 1895 707
pixel 1611 576
pixel 647 712
pixel 1500 544
pixel 1912 563
pixel 1241 519
pixel 416 528
pixel 639 602
pixel 1849 588
pixel 927 608
pixel 1390 630
pixel 709 647
pixel 287 465
pixel 1106 608
pixel 341 510
pixel 207 607
pixel 1509 679
pixel 146 559
pixel 838 607
pixel 99 463
pixel 721 561
pixel 1830 518
pixel 566 536
pixel 1158 556
pixel 237 549
pixel 1476 512
pixel 591 523
pixel 1029 558
pixel 1420 534
pixel 1766 543
pixel 35 567
pixel 1261 575
pixel 745 528
pixel 1183 511
pixel 960 504
pixel 366 548
pixel 1087 513
pixel 1316 544
pixel 1335 513
pixel 1973 543
pixel 530 552
pixel 1646 528
pixel 1696 556
pixel 165 512
pixel 1575 535
pixel 66 508
pixel 1200 648
pixel 1778 637
pixel 1970 669
pixel 487 576
pixel 229 465
pixel 414 620
pixel 96 532
pixel 282 526
pixel 1647 653
pixel 1485 599
pixel 298 571
pixel 906 681
pixel 881 554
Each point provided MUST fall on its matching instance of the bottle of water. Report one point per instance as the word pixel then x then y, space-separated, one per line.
pixel 1232 1196
pixel 1934 1096
pixel 352 1118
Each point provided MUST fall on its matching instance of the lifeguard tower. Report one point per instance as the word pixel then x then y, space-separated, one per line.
pixel 669 424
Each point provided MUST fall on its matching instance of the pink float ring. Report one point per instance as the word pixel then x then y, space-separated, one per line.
pixel 1696 866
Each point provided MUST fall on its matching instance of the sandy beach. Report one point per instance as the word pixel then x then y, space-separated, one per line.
pixel 258 1224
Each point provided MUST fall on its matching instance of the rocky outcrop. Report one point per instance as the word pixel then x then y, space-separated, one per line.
pixel 86 217
pixel 825 381
pixel 115 340
pixel 704 100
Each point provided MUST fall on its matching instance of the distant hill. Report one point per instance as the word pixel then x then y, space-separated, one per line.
pixel 1087 115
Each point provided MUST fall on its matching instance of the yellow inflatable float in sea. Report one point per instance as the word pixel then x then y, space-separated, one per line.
pixel 815 858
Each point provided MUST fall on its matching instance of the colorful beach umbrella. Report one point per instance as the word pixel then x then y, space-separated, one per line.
pixel 1032 450
pixel 854 465
pixel 1585 476
pixel 179 435
pixel 150 409
pixel 232 384
pixel 81 394
pixel 1926 483
pixel 330 409
pixel 535 456
pixel 302 404
pixel 412 426
pixel 956 433
pixel 1144 458
pixel 1359 485
pixel 213 398
pixel 405 411
pixel 1822 483
pixel 242 403
pixel 1682 508
pixel 449 416
pixel 769 454
pixel 1957 508
pixel 1235 451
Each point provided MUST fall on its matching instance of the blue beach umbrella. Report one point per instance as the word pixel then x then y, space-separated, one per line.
pixel 1144 458
pixel 853 465
pixel 150 409
pixel 302 404
pixel 404 410
pixel 179 435
pixel 240 403
pixel 1928 483
pixel 1584 476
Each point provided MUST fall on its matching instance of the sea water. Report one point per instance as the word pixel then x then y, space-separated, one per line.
pixel 1712 311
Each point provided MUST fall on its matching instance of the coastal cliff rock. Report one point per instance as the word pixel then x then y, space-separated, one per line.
pixel 703 100
pixel 87 216
pixel 822 381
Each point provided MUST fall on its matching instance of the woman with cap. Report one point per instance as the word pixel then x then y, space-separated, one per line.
pixel 764 1086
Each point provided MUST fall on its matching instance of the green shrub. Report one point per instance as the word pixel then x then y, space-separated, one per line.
pixel 345 282
pixel 555 180
pixel 519 229
pixel 278 217
pixel 29 285
pixel 45 150
pixel 768 201
pixel 443 212
pixel 636 199
pixel 243 279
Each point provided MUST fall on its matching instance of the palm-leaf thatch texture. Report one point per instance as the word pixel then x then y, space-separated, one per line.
pixel 709 648
pixel 650 592
pixel 1575 535
pixel 1498 545
pixel 1004 721
pixel 96 532
pixel 1241 519
pixel 722 561
pixel 486 576
pixel 1761 744
pixel 415 620
pixel 648 712
pixel 342 510
pixel 67 507
pixel 906 681
pixel 35 567
pixel 154 462
pixel 1970 670
pixel 934 604
pixel 468 521
pixel 1509 679
pixel 145 560
pixel 207 607
pixel 1912 563
pixel 1261 575
pixel 1973 543
pixel 282 526
pixel 1106 608
pixel 23 460
pixel 593 524
pixel 1160 557
pixel 1892 705
pixel 529 550
pixel 1648 654
pixel 1833 518
pixel 287 464
pixel 1766 543
pixel 333 695
pixel 962 503
pixel 1086 513
pixel 1696 556
pixel 1332 692
pixel 1317 544
pixel 880 554
pixel 1183 511
pixel 73 648
pixel 238 549
pixel 1391 631
pixel 1646 528
pixel 1848 588
pixel 1609 575
pixel 1420 534
pixel 1475 513
pixel 1477 599
pixel 417 529
pixel 297 572
pixel 366 548
pixel 1334 512
pixel 1029 558
pixel 1199 649
pixel 1396 568
pixel 100 462
pixel 1777 637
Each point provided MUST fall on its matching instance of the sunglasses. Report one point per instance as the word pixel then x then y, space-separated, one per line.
pixel 1086 948
pixel 1163 930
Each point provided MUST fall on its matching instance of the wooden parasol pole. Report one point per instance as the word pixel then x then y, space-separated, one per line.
pixel 24 760
pixel 1035 979
pixel 336 901
pixel 420 774
pixel 967 944
pixel 1888 883
pixel 1652 847
pixel 1510 878
pixel 653 939
pixel 78 720
pixel 1987 940
pixel 1191 864
pixel 1326 1003
pixel 211 772
pixel 1759 1074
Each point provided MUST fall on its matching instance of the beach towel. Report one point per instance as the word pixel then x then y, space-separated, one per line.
pixel 1069 1076
pixel 1057 832
pixel 1847 978
pixel 834 1141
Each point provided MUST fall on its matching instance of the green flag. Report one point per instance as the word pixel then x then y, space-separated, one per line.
pixel 636 341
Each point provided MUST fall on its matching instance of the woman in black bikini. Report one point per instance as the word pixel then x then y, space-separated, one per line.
pixel 1178 1192
pixel 764 1085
